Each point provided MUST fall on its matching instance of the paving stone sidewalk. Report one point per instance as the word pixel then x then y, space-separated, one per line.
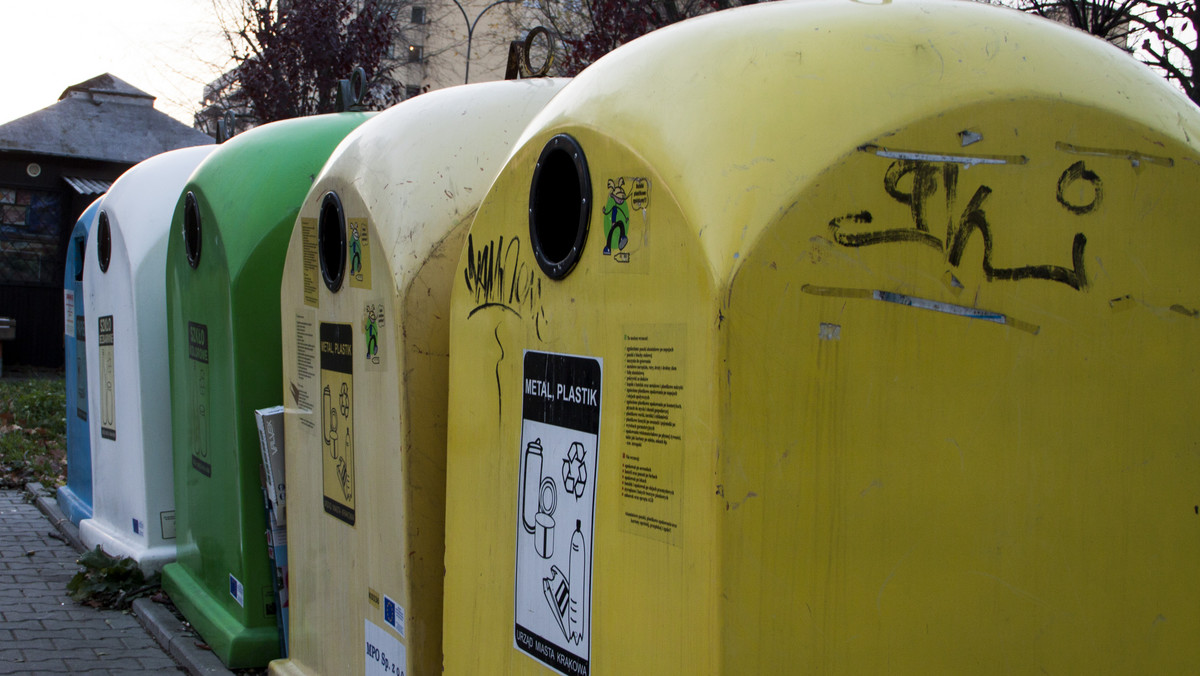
pixel 42 631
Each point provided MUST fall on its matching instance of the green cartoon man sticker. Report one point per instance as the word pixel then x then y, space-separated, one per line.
pixel 355 252
pixel 616 217
pixel 373 328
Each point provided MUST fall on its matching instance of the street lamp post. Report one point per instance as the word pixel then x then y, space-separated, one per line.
pixel 471 30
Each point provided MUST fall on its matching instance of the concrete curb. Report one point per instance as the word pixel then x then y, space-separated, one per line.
pixel 176 639
pixel 47 505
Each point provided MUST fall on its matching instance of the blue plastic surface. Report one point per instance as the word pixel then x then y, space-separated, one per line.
pixel 75 499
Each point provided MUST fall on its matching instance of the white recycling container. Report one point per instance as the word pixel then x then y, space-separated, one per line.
pixel 124 296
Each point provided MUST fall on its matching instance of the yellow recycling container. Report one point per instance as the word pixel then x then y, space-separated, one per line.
pixel 868 346
pixel 366 289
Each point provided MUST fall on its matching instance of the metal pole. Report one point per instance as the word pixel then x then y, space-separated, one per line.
pixel 471 30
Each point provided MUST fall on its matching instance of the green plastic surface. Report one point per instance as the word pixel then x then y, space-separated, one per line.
pixel 224 345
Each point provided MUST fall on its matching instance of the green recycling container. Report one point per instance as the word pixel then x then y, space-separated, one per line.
pixel 224 263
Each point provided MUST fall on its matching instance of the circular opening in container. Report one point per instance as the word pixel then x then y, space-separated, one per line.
pixel 560 199
pixel 331 240
pixel 103 242
pixel 191 229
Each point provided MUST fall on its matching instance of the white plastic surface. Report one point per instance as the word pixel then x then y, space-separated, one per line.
pixel 133 491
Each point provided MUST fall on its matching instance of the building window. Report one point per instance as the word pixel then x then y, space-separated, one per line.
pixel 414 53
pixel 30 214
pixel 11 211
pixel 29 227
pixel 418 15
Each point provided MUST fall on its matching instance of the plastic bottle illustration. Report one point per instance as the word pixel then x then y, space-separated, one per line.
pixel 108 413
pixel 531 485
pixel 577 565
pixel 331 426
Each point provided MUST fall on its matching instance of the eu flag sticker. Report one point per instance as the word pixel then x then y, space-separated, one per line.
pixel 237 591
pixel 393 614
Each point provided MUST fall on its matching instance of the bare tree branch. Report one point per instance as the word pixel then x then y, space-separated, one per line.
pixel 290 56
pixel 1160 33
pixel 588 29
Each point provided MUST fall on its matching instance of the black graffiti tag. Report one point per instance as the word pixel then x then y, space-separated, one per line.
pixel 1078 172
pixel 497 277
pixel 926 177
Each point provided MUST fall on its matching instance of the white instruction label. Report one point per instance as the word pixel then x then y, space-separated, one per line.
pixel 108 379
pixel 302 383
pixel 167 521
pixel 69 313
pixel 385 654
pixel 556 508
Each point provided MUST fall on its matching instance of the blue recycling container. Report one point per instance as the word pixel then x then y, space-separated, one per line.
pixel 75 499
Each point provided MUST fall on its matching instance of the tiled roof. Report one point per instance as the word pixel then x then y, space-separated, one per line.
pixel 106 84
pixel 87 186
pixel 103 118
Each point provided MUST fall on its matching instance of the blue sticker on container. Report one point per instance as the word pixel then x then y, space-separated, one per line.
pixel 237 591
pixel 393 614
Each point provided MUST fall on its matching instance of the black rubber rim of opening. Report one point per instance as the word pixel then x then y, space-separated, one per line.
pixel 331 241
pixel 80 257
pixel 560 199
pixel 192 238
pixel 103 242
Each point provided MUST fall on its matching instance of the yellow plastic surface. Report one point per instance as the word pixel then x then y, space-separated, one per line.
pixel 899 365
pixel 366 522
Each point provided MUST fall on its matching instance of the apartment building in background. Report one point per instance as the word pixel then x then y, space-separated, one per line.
pixel 438 33
pixel 433 39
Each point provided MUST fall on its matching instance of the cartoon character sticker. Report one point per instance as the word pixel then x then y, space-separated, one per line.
pixel 355 252
pixel 373 335
pixel 616 216
pixel 628 198
pixel 358 253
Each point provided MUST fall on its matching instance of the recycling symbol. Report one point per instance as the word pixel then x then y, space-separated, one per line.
pixel 344 400
pixel 574 473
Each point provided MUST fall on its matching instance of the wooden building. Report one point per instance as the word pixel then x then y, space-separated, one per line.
pixel 53 164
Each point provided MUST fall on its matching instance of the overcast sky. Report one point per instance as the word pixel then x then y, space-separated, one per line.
pixel 167 48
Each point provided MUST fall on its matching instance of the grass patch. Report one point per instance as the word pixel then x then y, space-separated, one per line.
pixel 33 429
